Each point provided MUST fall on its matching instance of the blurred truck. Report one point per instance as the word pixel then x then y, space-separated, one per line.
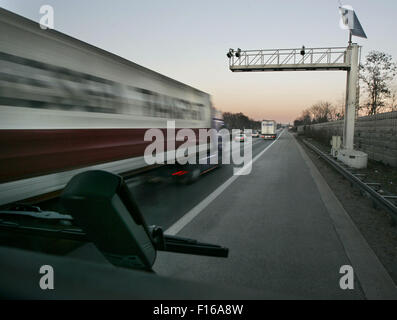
pixel 67 106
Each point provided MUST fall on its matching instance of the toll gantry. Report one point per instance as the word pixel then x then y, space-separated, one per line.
pixel 311 59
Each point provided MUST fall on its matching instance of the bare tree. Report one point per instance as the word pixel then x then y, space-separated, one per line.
pixel 240 121
pixel 376 73
pixel 304 119
pixel 323 111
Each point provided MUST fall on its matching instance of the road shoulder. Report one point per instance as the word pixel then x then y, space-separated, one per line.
pixel 373 277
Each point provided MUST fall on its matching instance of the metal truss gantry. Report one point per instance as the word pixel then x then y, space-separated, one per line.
pixel 308 59
pixel 291 60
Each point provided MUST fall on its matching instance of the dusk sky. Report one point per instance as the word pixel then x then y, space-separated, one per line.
pixel 188 40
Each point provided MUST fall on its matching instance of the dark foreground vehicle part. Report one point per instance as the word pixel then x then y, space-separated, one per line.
pixel 79 279
pixel 105 209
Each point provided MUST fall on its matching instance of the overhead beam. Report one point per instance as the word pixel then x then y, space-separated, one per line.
pixel 310 59
pixel 293 67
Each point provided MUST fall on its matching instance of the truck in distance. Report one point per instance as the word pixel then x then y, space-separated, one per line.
pixel 269 129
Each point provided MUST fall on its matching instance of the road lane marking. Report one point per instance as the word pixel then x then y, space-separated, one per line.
pixel 195 211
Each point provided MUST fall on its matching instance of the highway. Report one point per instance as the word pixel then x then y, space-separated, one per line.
pixel 287 233
pixel 163 203
pixel 67 106
pixel 281 233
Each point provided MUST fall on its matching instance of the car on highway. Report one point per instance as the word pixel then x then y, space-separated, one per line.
pixel 255 134
pixel 240 137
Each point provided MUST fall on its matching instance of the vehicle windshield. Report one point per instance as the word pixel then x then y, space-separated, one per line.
pixel 133 138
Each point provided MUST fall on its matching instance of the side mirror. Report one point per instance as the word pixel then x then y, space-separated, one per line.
pixel 102 205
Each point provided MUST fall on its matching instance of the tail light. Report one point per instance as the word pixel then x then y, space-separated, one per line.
pixel 180 173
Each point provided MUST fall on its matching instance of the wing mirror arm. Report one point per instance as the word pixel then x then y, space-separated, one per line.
pixel 176 244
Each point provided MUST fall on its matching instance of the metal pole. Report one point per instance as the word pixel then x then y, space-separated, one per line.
pixel 351 98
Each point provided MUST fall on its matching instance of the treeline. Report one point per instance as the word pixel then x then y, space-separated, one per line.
pixel 378 93
pixel 240 121
pixel 320 112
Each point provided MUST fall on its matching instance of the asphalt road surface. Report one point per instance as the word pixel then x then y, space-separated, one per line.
pixel 281 231
pixel 164 202
pixel 288 235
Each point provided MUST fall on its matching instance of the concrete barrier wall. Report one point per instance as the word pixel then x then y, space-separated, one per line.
pixel 375 135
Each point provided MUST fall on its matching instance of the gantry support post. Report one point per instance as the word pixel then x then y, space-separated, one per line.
pixel 347 154
pixel 351 97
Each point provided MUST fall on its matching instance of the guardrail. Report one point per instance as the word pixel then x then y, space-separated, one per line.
pixel 369 188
